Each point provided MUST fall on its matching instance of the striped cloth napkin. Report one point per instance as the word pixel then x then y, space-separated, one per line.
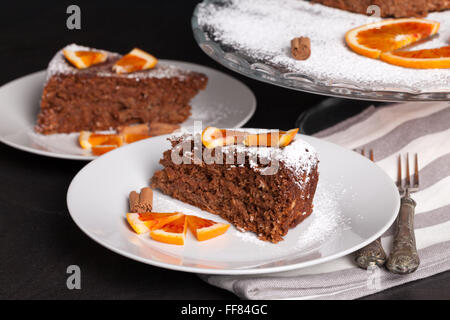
pixel 398 128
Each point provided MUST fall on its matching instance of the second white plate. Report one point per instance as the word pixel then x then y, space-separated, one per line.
pixel 354 204
pixel 226 103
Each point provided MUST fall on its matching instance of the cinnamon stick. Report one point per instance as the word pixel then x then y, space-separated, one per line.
pixel 133 200
pixel 145 200
pixel 141 202
pixel 301 48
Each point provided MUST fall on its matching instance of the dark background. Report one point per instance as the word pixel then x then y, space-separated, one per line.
pixel 38 239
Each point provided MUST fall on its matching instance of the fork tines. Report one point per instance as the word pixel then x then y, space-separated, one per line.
pixel 363 153
pixel 399 174
pixel 410 187
pixel 407 179
pixel 416 171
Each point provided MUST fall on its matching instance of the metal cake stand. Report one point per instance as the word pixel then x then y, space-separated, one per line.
pixel 331 110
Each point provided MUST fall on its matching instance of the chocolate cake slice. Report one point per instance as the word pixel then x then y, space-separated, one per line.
pixel 265 190
pixel 390 8
pixel 97 98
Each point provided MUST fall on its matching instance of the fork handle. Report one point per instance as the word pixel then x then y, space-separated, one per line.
pixel 370 255
pixel 404 258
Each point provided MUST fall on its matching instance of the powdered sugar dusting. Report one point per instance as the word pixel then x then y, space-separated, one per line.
pixel 299 156
pixel 325 223
pixel 59 65
pixel 263 32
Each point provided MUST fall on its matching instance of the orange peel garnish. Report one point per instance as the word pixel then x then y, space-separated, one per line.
pixel 172 233
pixel 135 132
pixel 83 140
pixel 271 139
pixel 88 140
pixel 213 137
pixel 102 149
pixel 205 229
pixel 136 60
pixel 130 138
pixel 84 59
pixel 287 137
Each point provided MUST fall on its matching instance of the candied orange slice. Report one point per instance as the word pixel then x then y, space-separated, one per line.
pixel 373 39
pixel 136 60
pixel 156 220
pixel 136 223
pixel 84 59
pixel 96 139
pixel 88 139
pixel 83 140
pixel 287 137
pixel 147 221
pixel 130 138
pixel 270 139
pixel 173 232
pixel 205 229
pixel 213 137
pixel 438 58
pixel 102 149
pixel 134 133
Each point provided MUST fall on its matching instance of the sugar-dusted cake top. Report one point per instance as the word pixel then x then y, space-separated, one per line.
pixel 263 33
pixel 299 157
pixel 388 8
pixel 60 66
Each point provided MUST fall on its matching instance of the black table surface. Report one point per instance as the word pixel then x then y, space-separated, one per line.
pixel 38 239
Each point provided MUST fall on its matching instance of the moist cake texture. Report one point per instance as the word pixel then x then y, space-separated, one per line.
pixel 97 98
pixel 390 8
pixel 264 190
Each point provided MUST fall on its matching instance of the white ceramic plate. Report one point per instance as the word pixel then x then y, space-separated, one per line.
pixel 226 103
pixel 354 204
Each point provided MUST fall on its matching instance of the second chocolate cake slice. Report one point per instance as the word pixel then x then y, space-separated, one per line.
pixel 98 98
pixel 265 190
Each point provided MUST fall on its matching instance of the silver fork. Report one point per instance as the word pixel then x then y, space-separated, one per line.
pixel 372 254
pixel 404 258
